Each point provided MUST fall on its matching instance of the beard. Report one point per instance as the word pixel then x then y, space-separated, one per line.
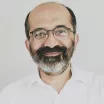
pixel 53 65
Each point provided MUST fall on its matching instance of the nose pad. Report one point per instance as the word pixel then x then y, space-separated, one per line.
pixel 51 41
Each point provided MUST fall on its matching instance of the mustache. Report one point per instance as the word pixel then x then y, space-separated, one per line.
pixel 47 49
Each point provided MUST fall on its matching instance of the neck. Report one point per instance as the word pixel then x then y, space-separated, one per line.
pixel 57 82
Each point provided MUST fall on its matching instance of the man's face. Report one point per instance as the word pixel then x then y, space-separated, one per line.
pixel 54 53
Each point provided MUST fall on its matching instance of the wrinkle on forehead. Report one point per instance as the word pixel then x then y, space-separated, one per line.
pixel 51 6
pixel 49 12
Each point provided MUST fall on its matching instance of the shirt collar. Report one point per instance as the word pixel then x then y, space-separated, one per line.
pixel 77 74
pixel 82 76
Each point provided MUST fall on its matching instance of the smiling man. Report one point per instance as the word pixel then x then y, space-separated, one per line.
pixel 51 40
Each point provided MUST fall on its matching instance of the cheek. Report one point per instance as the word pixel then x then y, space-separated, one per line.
pixel 71 40
pixel 68 42
pixel 35 45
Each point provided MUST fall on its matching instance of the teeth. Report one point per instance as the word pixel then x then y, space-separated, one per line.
pixel 52 53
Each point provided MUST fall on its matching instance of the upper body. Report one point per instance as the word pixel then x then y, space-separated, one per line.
pixel 51 40
pixel 82 88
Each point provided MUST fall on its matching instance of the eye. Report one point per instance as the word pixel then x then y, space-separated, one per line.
pixel 40 34
pixel 60 32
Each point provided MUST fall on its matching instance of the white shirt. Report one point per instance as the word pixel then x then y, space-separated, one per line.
pixel 82 88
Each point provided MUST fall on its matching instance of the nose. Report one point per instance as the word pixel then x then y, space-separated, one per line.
pixel 51 41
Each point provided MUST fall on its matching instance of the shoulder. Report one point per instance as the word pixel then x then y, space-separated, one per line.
pixel 91 79
pixel 88 76
pixel 94 83
pixel 17 87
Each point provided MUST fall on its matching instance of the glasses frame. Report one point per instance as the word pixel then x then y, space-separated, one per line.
pixel 59 26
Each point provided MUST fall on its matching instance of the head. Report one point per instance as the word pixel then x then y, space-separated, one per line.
pixel 51 36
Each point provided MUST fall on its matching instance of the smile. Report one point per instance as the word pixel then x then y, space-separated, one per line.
pixel 52 54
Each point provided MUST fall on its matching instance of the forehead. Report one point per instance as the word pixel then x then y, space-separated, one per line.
pixel 48 16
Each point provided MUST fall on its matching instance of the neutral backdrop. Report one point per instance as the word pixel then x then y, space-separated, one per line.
pixel 15 61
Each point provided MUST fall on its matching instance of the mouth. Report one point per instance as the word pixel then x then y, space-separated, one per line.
pixel 50 54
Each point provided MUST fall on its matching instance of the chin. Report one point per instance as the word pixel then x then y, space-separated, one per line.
pixel 54 70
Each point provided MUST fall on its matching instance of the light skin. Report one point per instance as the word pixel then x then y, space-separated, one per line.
pixel 48 16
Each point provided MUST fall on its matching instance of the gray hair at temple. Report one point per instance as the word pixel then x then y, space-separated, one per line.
pixel 73 21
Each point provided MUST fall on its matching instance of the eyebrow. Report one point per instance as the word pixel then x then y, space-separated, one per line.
pixel 60 26
pixel 40 28
pixel 46 29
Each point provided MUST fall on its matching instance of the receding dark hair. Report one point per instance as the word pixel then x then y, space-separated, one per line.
pixel 73 18
pixel 73 21
pixel 27 26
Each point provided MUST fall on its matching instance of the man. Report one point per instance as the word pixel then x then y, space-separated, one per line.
pixel 51 40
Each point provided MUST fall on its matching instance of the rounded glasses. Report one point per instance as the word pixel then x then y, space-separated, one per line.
pixel 59 32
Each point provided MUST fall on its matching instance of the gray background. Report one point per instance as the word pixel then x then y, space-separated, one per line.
pixel 15 61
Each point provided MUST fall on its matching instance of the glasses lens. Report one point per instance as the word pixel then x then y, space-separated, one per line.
pixel 61 31
pixel 40 34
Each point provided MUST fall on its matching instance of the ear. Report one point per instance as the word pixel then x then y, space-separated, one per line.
pixel 76 40
pixel 27 45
